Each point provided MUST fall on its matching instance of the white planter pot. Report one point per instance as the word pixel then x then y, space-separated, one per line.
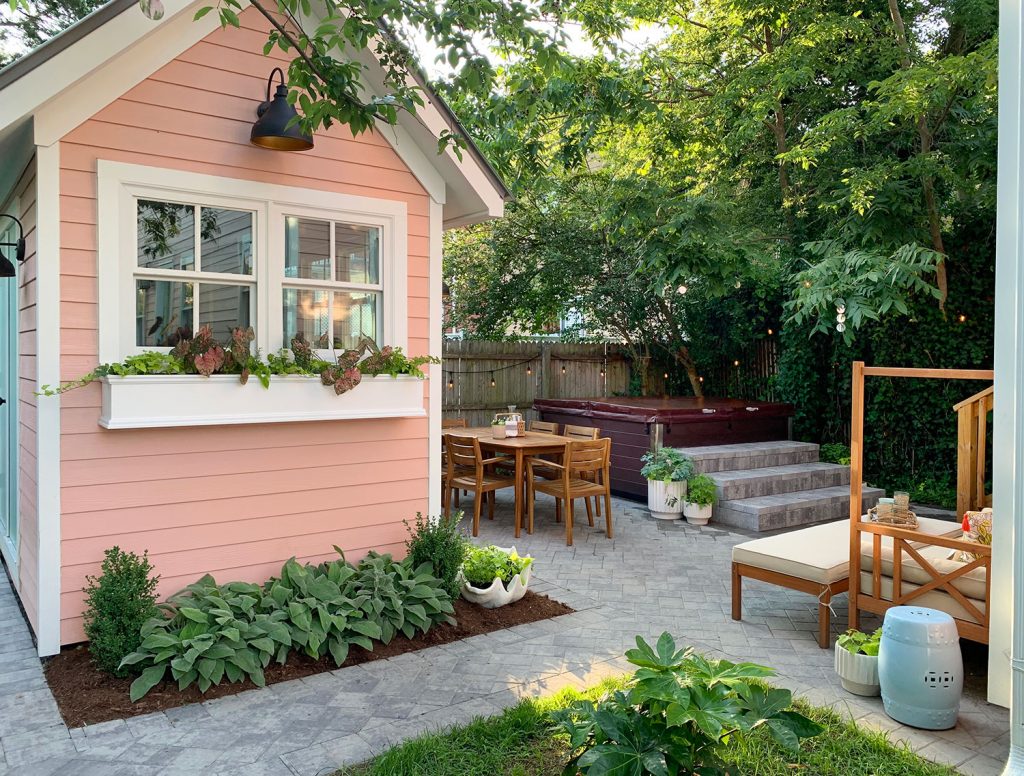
pixel 697 514
pixel 497 594
pixel 858 673
pixel 665 500
pixel 152 401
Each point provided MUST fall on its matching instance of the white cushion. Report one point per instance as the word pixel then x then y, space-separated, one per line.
pixel 819 553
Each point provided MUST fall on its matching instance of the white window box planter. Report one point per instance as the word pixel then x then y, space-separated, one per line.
pixel 154 401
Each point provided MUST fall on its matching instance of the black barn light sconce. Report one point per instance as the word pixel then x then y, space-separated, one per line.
pixel 6 265
pixel 275 127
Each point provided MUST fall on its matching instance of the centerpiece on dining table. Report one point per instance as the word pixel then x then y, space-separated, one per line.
pixel 508 424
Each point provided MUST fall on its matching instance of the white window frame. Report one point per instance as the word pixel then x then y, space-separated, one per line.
pixel 278 215
pixel 120 185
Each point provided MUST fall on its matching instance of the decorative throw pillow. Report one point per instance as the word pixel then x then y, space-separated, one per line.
pixel 977 527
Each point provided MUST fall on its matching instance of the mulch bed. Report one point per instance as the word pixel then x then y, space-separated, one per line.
pixel 87 695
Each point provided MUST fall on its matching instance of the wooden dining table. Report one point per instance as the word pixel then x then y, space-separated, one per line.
pixel 517 448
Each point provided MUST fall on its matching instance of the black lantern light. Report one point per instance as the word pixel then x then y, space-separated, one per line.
pixel 6 265
pixel 276 127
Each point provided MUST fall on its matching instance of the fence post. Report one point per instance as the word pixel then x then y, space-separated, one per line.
pixel 545 370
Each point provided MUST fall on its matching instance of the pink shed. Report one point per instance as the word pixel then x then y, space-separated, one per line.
pixel 226 497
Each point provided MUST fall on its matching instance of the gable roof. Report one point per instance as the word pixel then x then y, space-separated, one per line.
pixel 35 88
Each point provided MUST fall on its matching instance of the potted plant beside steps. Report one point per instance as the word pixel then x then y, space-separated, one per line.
pixel 857 661
pixel 667 471
pixel 700 498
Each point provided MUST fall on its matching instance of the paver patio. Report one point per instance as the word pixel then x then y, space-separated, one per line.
pixel 650 578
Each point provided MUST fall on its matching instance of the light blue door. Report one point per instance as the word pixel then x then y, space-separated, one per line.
pixel 9 408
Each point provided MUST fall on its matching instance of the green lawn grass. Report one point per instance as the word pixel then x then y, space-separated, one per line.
pixel 519 743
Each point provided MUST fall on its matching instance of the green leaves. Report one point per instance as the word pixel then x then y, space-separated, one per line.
pixel 677 711
pixel 149 679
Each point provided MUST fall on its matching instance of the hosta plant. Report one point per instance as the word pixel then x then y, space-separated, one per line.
pixel 209 633
pixel 676 713
pixel 397 597
pixel 321 617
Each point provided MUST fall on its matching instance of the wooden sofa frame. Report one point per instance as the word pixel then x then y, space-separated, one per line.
pixel 903 539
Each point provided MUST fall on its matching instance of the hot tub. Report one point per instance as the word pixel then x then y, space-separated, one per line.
pixel 635 424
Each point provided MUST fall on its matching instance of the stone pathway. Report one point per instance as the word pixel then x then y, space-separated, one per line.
pixel 650 578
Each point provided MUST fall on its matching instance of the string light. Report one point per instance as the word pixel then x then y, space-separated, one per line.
pixel 451 381
pixel 666 375
pixel 602 371
pixel 701 379
pixel 770 332
pixel 563 369
pixel 736 363
pixel 807 284
pixel 529 370
pixel 962 318
pixel 492 380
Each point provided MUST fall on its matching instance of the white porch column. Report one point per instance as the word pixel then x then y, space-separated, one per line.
pixel 1007 605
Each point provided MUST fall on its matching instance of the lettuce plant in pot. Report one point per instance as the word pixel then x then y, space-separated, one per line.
pixel 700 499
pixel 494 576
pixel 857 661
pixel 667 471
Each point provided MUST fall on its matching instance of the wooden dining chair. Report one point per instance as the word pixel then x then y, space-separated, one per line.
pixel 582 459
pixel 585 432
pixel 447 423
pixel 543 427
pixel 468 470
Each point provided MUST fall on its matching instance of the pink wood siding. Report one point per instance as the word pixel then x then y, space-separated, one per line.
pixel 28 534
pixel 235 501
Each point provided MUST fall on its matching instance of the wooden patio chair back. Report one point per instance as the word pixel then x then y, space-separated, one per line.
pixel 543 427
pixel 587 456
pixel 582 432
pixel 453 423
pixel 463 452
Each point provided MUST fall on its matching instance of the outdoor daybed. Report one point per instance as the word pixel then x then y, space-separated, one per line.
pixel 814 560
pixel 882 565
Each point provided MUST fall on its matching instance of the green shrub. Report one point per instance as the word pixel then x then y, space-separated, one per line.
pixel 676 714
pixel 117 604
pixel 834 452
pixel 441 543
pixel 208 632
pixel 700 490
pixel 855 641
pixel 484 564
pixel 666 464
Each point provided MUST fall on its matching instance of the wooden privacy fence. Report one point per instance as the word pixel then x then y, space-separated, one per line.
pixel 751 375
pixel 482 378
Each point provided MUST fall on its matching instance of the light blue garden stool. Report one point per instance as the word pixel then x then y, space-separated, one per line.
pixel 920 669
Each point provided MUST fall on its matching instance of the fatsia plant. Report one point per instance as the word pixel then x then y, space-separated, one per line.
pixel 675 714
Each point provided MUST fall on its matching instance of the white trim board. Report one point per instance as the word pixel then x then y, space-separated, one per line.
pixel 47 474
pixel 119 184
pixel 436 377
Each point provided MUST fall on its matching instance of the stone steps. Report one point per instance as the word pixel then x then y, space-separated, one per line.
pixel 752 455
pixel 791 510
pixel 773 480
pixel 766 486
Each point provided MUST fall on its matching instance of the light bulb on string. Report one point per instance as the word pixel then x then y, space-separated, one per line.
pixel 451 381
pixel 736 363
pixel 962 318
pixel 492 380
pixel 529 369
pixel 563 369
pixel 770 332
